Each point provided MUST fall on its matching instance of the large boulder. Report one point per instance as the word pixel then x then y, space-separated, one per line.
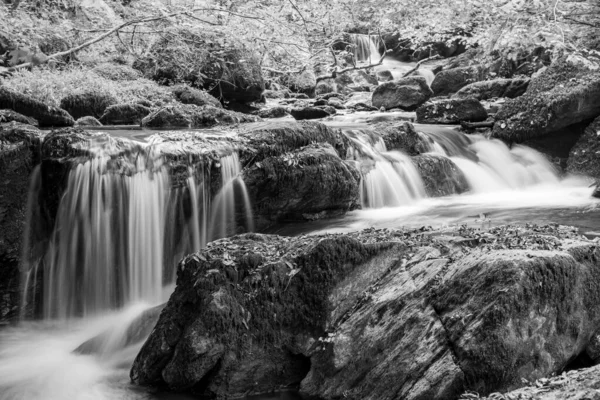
pixel 406 93
pixel 309 183
pixel 221 64
pixel 402 136
pixel 19 153
pixel 305 82
pixel 441 177
pixel 124 114
pixel 451 111
pixel 584 157
pixel 495 88
pixel 44 114
pixel 87 103
pixel 376 314
pixel 452 80
pixel 192 116
pixel 566 93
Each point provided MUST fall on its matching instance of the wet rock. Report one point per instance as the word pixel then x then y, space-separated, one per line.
pixel 124 114
pixel 584 157
pixel 276 94
pixel 85 104
pixel 566 93
pixel 304 82
pixel 88 121
pixel 189 95
pixel 192 116
pixel 325 86
pixel 19 154
pixel 362 98
pixel 451 111
pixel 310 180
pixel 274 112
pixel 495 88
pixel 312 112
pixel 384 76
pixel 406 93
pixel 402 136
pixel 336 103
pixel 10 115
pixel 23 104
pixel 441 177
pixel 381 314
pixel 452 80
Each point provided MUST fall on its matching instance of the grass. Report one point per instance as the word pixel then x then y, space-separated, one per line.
pixel 51 85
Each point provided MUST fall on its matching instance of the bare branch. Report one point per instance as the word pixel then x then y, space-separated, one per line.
pixel 436 57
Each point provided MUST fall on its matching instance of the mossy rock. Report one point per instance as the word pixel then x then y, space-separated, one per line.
pixel 402 136
pixel 85 104
pixel 451 111
pixel 452 80
pixel 10 115
pixel 124 114
pixel 584 157
pixel 192 116
pixel 406 93
pixel 189 95
pixel 440 175
pixel 495 88
pixel 46 116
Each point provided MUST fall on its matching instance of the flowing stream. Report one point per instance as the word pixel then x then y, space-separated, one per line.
pixel 123 222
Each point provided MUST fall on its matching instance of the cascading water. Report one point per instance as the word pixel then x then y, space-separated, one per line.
pixel 121 227
pixel 365 47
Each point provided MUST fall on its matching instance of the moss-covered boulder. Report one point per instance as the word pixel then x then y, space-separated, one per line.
pixel 377 314
pixel 192 116
pixel 19 154
pixel 273 112
pixel 88 121
pixel 124 114
pixel 566 93
pixel 406 93
pixel 45 115
pixel 495 88
pixel 441 177
pixel 189 95
pixel 304 82
pixel 309 183
pixel 451 111
pixel 452 80
pixel 87 103
pixel 10 116
pixel 584 157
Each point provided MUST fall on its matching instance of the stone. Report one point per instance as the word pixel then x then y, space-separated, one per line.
pixel 189 95
pixel 384 75
pixel 325 86
pixel 88 121
pixel 402 136
pixel 276 94
pixel 19 154
pixel 377 314
pixel 192 116
pixel 441 177
pixel 308 181
pixel 10 115
pixel 566 93
pixel 117 72
pixel 584 157
pixel 274 112
pixel 45 115
pixel 451 111
pixel 311 112
pixel 496 88
pixel 305 82
pixel 406 93
pixel 84 104
pixel 452 80
pixel 124 114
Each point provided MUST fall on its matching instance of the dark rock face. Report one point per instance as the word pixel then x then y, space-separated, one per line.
pixel 384 76
pixel 440 175
pixel 10 115
pixel 452 80
pixel 451 111
pixel 495 88
pixel 402 136
pixel 189 95
pixel 87 104
pixel 275 112
pixel 45 115
pixel 566 93
pixel 406 93
pixel 311 112
pixel 584 157
pixel 124 114
pixel 381 314
pixel 305 184
pixel 192 116
pixel 19 153
pixel 88 121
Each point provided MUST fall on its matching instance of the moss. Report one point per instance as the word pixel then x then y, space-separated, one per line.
pixel 85 104
pixel 45 115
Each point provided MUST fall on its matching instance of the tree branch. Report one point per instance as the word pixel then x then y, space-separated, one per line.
pixel 436 57
pixel 342 71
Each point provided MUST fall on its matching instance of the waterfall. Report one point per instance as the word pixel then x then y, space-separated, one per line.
pixel 365 47
pixel 121 227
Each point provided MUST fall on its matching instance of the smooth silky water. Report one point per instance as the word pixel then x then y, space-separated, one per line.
pixel 115 238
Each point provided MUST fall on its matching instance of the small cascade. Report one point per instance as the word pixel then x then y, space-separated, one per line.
pixel 365 47
pixel 122 225
pixel 389 178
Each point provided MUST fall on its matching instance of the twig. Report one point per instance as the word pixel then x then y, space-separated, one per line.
pixel 436 57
